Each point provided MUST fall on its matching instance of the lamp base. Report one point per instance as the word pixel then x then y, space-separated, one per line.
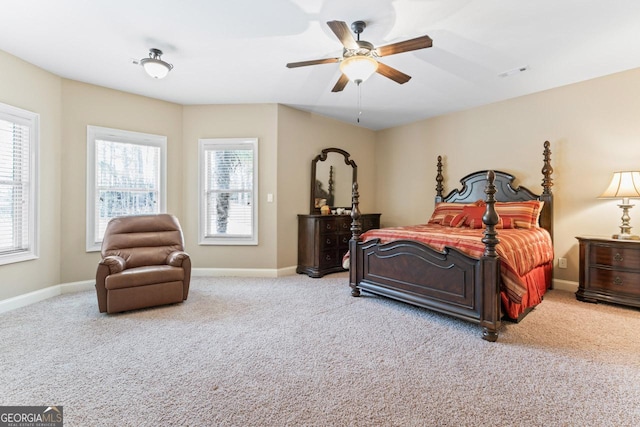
pixel 625 237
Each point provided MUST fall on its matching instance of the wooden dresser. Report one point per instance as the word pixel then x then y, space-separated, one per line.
pixel 609 270
pixel 324 239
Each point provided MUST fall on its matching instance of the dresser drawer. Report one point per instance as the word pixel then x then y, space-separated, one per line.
pixel 602 254
pixel 343 240
pixel 328 241
pixel 329 258
pixel 615 280
pixel 328 225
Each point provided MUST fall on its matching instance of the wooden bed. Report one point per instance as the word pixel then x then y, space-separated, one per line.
pixel 448 281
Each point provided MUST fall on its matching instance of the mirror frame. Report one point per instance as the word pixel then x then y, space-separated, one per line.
pixel 321 158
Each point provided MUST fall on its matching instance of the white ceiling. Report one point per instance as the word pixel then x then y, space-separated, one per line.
pixel 235 51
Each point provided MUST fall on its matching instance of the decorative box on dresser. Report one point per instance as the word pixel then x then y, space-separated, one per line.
pixel 609 270
pixel 324 239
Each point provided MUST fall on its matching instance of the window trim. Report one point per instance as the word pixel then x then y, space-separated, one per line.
pixel 128 137
pixel 203 145
pixel 32 120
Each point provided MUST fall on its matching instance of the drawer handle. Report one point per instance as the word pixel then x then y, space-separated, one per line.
pixel 328 241
pixel 617 281
pixel 328 257
pixel 328 226
pixel 618 257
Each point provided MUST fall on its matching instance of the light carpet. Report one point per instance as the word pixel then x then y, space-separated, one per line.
pixel 298 351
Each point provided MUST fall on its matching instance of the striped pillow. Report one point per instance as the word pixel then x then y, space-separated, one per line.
pixel 443 209
pixel 447 208
pixel 523 214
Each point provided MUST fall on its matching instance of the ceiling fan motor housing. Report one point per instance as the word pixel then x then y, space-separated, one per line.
pixel 364 48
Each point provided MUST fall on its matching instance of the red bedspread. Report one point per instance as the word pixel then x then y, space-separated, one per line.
pixel 521 250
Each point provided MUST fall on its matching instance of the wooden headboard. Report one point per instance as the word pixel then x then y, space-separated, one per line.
pixel 474 188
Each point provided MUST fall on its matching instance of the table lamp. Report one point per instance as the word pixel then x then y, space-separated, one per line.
pixel 624 185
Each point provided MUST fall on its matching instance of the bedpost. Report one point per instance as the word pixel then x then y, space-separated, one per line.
pixel 491 302
pixel 356 229
pixel 439 180
pixel 546 216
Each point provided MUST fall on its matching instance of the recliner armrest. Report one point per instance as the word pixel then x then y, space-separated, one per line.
pixel 177 258
pixel 115 263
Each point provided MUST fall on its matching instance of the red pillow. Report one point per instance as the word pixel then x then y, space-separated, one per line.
pixel 458 220
pixel 474 214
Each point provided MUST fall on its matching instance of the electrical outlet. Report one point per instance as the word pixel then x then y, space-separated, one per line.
pixel 562 263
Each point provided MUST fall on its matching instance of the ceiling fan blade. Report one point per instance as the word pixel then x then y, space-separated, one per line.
pixel 312 62
pixel 405 46
pixel 341 30
pixel 341 83
pixel 392 73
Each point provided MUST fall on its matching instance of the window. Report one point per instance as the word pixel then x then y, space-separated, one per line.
pixel 228 191
pixel 19 135
pixel 126 175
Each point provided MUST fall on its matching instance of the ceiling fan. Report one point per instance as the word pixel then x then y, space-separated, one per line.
pixel 359 57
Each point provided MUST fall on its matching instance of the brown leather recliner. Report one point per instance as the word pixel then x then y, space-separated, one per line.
pixel 143 263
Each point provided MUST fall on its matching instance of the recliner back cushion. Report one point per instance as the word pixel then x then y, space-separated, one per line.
pixel 143 240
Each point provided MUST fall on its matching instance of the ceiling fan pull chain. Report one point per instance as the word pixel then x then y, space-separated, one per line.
pixel 359 103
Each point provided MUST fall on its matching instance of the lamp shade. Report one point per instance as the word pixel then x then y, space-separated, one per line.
pixel 623 185
pixel 358 68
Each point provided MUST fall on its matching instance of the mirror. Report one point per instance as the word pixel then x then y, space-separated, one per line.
pixel 332 178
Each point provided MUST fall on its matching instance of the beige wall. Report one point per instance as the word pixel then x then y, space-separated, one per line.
pixel 232 121
pixel 301 137
pixel 593 128
pixel 82 105
pixel 24 86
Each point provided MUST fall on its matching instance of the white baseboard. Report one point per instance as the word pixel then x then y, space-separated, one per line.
pixel 243 272
pixel 86 285
pixel 565 285
pixel 43 294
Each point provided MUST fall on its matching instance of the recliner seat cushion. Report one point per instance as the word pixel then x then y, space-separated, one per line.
pixel 142 276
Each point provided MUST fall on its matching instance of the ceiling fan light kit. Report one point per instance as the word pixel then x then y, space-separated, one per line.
pixel 358 68
pixel 155 66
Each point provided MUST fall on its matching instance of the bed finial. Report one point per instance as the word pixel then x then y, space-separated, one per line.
pixel 547 170
pixel 439 180
pixel 356 227
pixel 490 218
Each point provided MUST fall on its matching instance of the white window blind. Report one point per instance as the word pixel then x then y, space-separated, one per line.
pixel 126 178
pixel 18 184
pixel 228 180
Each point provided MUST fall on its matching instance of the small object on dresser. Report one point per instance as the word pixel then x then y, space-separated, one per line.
pixel 325 210
pixel 609 270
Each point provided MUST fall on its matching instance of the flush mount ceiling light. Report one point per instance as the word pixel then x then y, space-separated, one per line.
pixel 155 66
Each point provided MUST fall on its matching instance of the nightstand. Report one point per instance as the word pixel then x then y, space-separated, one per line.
pixel 609 270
